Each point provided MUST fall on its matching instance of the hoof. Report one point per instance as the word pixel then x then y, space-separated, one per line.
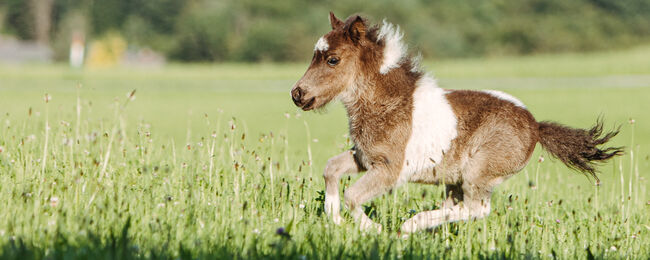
pixel 337 219
pixel 409 227
pixel 370 226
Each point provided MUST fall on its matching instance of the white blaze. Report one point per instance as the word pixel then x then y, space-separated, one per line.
pixel 432 130
pixel 321 45
pixel 506 97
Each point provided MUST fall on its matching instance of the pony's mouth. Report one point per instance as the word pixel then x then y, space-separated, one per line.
pixel 309 105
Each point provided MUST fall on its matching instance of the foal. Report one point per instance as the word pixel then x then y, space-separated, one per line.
pixel 406 129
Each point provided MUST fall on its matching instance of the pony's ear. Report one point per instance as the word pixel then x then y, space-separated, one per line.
pixel 355 28
pixel 335 22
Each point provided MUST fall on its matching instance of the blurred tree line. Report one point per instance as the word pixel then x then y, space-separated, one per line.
pixel 259 30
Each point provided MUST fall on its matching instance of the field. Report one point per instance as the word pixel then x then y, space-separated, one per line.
pixel 206 161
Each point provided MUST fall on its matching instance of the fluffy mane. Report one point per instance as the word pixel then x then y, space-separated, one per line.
pixel 395 52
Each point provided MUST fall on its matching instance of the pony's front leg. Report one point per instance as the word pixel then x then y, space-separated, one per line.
pixel 337 166
pixel 375 182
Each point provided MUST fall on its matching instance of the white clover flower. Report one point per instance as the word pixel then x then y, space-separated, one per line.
pixel 54 201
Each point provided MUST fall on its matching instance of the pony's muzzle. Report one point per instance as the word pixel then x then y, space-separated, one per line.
pixel 298 96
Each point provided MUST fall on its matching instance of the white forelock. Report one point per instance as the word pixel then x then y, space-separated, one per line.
pixel 394 49
pixel 321 45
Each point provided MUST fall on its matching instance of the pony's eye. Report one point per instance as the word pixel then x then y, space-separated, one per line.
pixel 332 61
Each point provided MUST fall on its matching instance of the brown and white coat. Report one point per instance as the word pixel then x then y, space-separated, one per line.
pixel 407 129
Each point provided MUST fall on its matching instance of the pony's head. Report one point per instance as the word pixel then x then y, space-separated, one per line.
pixel 350 51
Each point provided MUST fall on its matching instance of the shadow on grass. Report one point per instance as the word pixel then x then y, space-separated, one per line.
pixel 121 247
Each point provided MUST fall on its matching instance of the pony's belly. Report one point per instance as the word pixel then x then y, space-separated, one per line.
pixel 425 176
pixel 436 174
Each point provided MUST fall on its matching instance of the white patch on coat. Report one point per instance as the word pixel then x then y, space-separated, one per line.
pixel 433 127
pixel 321 45
pixel 394 49
pixel 506 97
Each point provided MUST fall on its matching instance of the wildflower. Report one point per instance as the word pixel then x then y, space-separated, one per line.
pixel 161 205
pixel 2 149
pixel 54 201
pixel 47 98
pixel 557 221
pixel 541 159
pixel 287 115
pixel 302 206
pixel 315 140
pixel 276 220
pixel 631 121
pixel 256 231
pixel 131 95
pixel 283 233
pixel 613 248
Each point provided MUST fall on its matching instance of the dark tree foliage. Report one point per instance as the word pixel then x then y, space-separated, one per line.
pixel 254 30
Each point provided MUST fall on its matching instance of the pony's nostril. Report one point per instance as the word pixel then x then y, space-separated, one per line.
pixel 296 95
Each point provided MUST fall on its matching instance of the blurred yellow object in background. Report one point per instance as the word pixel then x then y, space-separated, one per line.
pixel 107 51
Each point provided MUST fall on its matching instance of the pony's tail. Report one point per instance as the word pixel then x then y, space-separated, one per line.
pixel 578 148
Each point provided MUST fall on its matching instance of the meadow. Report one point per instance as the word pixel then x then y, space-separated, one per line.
pixel 214 161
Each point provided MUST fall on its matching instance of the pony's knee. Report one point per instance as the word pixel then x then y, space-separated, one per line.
pixel 330 169
pixel 350 199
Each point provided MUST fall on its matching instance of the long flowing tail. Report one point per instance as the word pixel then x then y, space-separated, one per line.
pixel 578 148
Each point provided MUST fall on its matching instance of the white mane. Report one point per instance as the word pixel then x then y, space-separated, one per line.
pixel 394 49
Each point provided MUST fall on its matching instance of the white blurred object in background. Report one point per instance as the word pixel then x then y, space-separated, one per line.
pixel 77 47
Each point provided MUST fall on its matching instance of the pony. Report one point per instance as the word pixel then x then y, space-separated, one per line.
pixel 406 129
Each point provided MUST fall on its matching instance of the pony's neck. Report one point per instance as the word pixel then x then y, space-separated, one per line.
pixel 379 94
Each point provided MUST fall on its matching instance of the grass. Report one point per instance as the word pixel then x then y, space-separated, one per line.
pixel 214 161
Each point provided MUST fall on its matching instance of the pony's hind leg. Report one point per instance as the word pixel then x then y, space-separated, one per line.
pixel 337 166
pixel 475 205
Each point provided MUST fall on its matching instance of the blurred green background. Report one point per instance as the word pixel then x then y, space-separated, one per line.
pixel 252 30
